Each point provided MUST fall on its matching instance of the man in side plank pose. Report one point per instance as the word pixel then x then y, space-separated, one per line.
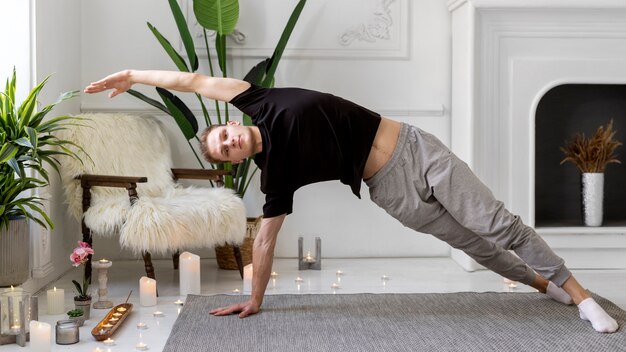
pixel 301 137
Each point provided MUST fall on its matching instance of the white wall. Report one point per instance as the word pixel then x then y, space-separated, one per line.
pixel 42 37
pixel 57 52
pixel 412 90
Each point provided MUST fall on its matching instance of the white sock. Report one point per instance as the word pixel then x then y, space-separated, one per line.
pixel 558 294
pixel 591 311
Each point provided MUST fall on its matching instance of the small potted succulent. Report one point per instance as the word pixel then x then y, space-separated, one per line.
pixel 77 315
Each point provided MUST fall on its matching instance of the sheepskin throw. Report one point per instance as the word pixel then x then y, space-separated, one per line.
pixel 167 216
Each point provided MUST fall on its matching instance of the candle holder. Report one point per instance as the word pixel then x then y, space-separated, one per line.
pixel 17 309
pixel 308 261
pixel 102 266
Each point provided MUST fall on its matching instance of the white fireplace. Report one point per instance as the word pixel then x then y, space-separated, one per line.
pixel 506 55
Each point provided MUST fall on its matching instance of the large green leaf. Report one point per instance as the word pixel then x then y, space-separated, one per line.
pixel 169 49
pixel 218 15
pixel 148 100
pixel 220 47
pixel 257 73
pixel 183 29
pixel 180 112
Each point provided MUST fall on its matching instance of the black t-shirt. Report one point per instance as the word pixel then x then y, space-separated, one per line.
pixel 308 137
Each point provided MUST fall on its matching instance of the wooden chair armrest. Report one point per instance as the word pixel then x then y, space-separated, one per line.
pixel 89 180
pixel 199 174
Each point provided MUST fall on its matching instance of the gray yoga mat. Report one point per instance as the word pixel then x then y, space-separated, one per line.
pixel 394 322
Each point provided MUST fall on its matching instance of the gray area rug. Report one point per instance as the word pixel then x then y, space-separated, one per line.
pixel 394 322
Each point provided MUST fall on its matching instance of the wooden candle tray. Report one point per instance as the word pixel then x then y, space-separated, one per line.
pixel 101 332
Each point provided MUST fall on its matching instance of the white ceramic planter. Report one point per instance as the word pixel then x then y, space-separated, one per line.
pixel 14 253
pixel 593 198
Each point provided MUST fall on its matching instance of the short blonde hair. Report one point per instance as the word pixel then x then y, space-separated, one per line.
pixel 204 147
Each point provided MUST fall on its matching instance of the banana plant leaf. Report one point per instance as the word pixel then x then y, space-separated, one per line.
pixel 148 100
pixel 185 119
pixel 257 73
pixel 220 47
pixel 185 35
pixel 217 15
pixel 169 49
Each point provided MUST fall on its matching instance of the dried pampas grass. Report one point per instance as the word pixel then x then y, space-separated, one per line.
pixel 592 155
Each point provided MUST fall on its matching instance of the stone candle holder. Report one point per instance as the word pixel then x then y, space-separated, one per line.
pixel 308 261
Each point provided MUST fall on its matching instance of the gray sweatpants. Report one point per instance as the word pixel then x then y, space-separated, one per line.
pixel 429 189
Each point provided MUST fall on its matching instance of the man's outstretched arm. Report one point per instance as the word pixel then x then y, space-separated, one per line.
pixel 223 89
pixel 262 258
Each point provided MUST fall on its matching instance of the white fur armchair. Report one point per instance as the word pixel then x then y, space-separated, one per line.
pixel 156 216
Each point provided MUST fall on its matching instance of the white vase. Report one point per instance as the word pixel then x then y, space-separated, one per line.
pixel 593 198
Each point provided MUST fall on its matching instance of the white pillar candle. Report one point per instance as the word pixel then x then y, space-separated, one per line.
pixel 40 336
pixel 147 292
pixel 56 301
pixel 189 274
pixel 247 278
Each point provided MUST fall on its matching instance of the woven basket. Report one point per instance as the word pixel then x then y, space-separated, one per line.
pixel 225 255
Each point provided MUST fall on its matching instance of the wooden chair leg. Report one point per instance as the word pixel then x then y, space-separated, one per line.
pixel 176 259
pixel 239 260
pixel 147 259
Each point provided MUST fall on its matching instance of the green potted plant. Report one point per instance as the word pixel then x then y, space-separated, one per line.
pixel 82 299
pixel 221 17
pixel 77 316
pixel 28 143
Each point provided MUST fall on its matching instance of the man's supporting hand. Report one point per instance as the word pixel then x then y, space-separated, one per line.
pixel 244 309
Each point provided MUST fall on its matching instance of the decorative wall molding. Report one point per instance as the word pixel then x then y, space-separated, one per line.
pixel 376 27
pixel 381 30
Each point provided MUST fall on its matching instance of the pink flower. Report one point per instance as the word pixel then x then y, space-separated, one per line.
pixel 80 253
pixel 85 246
pixel 76 260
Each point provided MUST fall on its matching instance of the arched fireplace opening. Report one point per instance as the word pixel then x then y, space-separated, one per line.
pixel 561 113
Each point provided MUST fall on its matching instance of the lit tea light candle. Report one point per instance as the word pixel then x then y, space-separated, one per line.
pixel 158 314
pixel 512 285
pixel 141 325
pixel 109 342
pixel 385 278
pixel 274 275
pixel 309 258
pixel 237 291
pixel 298 279
pixel 116 314
pixel 107 326
pixel 121 309
pixel 104 261
pixel 113 320
pixel 141 346
pixel 335 286
pixel 179 302
pixel 339 273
